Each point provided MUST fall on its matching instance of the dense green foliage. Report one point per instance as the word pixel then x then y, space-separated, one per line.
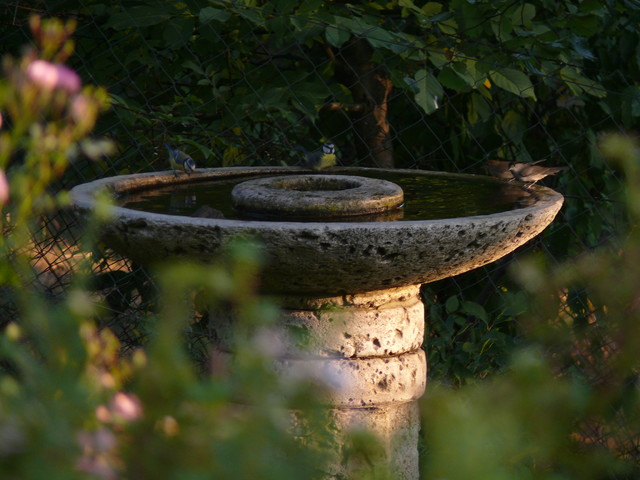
pixel 241 82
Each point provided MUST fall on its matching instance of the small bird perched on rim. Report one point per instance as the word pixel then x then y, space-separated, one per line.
pixel 530 173
pixel 527 172
pixel 320 159
pixel 502 169
pixel 178 160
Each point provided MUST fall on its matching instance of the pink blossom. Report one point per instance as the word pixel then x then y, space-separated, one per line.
pixel 98 466
pixel 103 414
pixel 80 107
pixel 126 406
pixel 100 441
pixel 49 76
pixel 4 188
pixel 98 454
pixel 43 74
pixel 68 79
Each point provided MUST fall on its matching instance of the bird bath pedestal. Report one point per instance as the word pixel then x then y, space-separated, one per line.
pixel 351 286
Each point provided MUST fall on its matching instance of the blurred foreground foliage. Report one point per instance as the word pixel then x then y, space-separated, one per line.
pixel 72 407
pixel 567 405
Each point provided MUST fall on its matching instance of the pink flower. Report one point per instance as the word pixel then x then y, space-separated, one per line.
pixel 100 441
pixel 126 406
pixel 98 466
pixel 68 79
pixel 98 454
pixel 103 414
pixel 4 188
pixel 50 76
pixel 80 108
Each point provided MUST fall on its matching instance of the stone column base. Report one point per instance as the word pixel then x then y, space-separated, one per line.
pixel 366 348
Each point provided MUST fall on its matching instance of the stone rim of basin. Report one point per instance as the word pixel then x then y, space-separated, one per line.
pixel 320 257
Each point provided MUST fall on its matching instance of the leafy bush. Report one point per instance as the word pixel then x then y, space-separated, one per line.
pixel 243 82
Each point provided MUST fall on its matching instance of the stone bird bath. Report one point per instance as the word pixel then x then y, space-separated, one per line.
pixel 350 282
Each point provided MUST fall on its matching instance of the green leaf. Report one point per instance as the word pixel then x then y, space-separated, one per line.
pixel 306 98
pixel 178 31
pixel 448 27
pixel 469 347
pixel 355 26
pixel 532 68
pixel 523 15
pixel 460 320
pixel 208 14
pixel 633 92
pixel 309 7
pixel 476 310
pixel 514 125
pixel 408 4
pixel 336 36
pixel 441 17
pixel 471 19
pixel 468 73
pixel 309 91
pixel 269 96
pixel 254 16
pixel 591 6
pixel 578 46
pixel 479 108
pixel 452 304
pixel 513 81
pixel 578 83
pixel 501 28
pixel 430 9
pixel 450 79
pixel 584 25
pixel 285 6
pixel 438 59
pixel 305 31
pixel 429 91
pixel 140 16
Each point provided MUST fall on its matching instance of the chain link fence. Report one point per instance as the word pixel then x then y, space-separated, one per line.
pixel 236 84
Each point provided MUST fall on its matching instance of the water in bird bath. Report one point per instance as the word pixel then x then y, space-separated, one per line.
pixel 427 197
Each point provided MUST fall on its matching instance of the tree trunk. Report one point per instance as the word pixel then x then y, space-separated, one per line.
pixel 370 86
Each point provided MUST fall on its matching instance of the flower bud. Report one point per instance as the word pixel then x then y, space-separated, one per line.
pixel 50 76
pixel 4 188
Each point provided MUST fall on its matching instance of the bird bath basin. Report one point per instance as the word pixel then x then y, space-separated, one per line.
pixel 351 281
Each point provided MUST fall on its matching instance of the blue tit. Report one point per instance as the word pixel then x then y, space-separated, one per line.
pixel 178 160
pixel 322 158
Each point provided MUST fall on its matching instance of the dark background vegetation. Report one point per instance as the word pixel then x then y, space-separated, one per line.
pixel 430 85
